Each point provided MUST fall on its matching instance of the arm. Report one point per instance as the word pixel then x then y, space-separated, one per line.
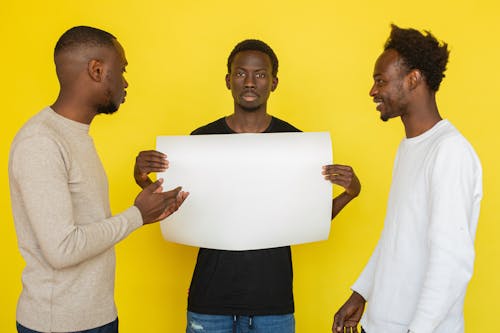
pixel 349 315
pixel 68 236
pixel 454 195
pixel 344 176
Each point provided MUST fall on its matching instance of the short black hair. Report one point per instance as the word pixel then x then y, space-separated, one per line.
pixel 254 45
pixel 420 51
pixel 83 36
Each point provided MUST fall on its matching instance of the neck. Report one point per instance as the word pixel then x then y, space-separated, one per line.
pixel 420 118
pixel 74 109
pixel 249 122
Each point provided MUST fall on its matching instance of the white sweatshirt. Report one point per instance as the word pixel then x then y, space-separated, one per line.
pixel 418 274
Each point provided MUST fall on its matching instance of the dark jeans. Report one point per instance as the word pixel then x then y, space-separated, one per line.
pixel 108 328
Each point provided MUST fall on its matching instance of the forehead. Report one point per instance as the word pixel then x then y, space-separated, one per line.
pixel 388 63
pixel 120 52
pixel 252 59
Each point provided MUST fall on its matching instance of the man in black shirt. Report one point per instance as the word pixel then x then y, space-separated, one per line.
pixel 232 291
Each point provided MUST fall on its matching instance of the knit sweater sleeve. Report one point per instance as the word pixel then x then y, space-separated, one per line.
pixel 39 170
pixel 455 191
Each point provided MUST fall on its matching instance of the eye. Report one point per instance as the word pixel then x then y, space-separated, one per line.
pixel 240 74
pixel 260 75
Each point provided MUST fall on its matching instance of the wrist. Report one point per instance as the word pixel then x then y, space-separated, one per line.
pixel 351 195
pixel 144 182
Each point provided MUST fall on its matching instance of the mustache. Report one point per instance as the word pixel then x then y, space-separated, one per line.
pixel 249 91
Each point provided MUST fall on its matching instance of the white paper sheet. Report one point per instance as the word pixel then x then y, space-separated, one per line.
pixel 248 191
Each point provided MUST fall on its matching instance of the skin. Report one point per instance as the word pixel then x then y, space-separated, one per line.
pixel 92 82
pixel 398 92
pixel 347 318
pixel 251 83
pixel 402 93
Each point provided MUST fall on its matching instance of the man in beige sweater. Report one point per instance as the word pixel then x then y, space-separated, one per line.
pixel 59 193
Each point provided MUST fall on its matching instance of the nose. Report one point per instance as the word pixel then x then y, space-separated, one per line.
pixel 249 81
pixel 125 83
pixel 373 90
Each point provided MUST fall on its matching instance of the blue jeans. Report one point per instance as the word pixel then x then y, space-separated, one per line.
pixel 204 323
pixel 112 327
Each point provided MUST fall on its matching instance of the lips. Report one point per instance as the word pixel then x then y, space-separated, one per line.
pixel 379 102
pixel 249 96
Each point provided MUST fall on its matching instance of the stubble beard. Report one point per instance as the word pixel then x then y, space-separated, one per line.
pixel 109 108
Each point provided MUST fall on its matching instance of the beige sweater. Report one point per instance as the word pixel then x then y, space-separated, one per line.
pixel 65 231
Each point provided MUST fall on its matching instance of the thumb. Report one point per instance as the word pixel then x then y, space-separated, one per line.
pixel 155 187
pixel 172 194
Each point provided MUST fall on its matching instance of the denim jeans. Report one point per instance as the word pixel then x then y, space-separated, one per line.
pixel 204 323
pixel 112 327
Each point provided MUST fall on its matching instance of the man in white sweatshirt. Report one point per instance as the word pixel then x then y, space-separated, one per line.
pixel 59 193
pixel 416 278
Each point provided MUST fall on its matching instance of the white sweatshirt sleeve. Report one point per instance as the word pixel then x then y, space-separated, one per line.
pixel 364 283
pixel 455 192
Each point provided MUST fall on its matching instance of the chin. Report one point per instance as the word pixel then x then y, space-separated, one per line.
pixel 107 109
pixel 248 108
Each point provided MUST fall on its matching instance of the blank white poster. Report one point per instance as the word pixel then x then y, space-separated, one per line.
pixel 248 191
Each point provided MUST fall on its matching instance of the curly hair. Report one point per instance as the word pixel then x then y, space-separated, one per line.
pixel 254 45
pixel 420 51
pixel 83 36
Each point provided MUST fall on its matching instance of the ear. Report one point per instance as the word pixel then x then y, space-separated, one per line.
pixel 274 84
pixel 414 78
pixel 228 81
pixel 95 70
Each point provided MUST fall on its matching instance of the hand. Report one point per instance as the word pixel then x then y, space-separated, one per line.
pixel 146 162
pixel 348 316
pixel 343 175
pixel 156 205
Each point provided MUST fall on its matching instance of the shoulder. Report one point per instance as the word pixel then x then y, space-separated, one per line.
pixel 216 127
pixel 39 138
pixel 452 151
pixel 449 141
pixel 36 129
pixel 278 125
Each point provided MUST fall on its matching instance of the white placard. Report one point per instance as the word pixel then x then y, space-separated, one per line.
pixel 248 191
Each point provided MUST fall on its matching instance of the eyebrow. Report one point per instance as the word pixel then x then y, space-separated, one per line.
pixel 256 70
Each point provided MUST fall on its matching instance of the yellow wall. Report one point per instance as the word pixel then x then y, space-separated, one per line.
pixel 177 53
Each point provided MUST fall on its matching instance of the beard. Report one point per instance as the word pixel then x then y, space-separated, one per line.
pixel 395 107
pixel 109 108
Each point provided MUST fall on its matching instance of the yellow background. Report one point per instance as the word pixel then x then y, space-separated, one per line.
pixel 177 53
